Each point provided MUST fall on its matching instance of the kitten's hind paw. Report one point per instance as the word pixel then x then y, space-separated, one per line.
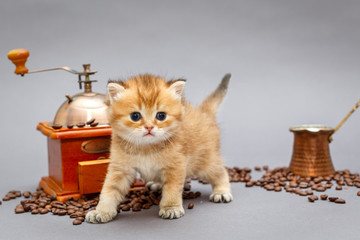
pixel 153 186
pixel 172 212
pixel 221 197
pixel 97 216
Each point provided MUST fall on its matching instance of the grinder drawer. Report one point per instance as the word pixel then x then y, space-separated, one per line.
pixel 92 175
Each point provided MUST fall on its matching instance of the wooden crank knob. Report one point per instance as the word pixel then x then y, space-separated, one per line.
pixel 19 57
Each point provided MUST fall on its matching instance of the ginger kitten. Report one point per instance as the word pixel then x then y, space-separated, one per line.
pixel 157 133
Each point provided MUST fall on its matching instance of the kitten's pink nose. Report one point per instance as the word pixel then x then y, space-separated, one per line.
pixel 149 128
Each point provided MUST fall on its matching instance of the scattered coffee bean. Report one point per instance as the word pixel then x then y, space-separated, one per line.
pixel 257 168
pixel 126 208
pixel 313 198
pixel 27 194
pixel 136 207
pixel 80 124
pixel 44 211
pixel 77 222
pixel 56 126
pixel 332 199
pixel 35 211
pixel 90 121
pixel 250 184
pixel 70 126
pixel 358 193
pixel 323 197
pixel 340 201
pixel 338 187
pixel 187 187
pixel 80 219
pixel 191 206
pixel 309 192
pixel 19 209
pixel 0 202
pixel 94 124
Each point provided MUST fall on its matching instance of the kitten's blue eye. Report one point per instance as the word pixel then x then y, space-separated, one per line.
pixel 135 116
pixel 161 116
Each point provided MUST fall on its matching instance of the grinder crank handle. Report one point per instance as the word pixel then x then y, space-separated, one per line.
pixel 19 58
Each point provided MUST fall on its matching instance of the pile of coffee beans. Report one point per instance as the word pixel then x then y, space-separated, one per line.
pixel 282 178
pixel 41 203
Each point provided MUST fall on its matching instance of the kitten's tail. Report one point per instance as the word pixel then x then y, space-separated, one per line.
pixel 213 101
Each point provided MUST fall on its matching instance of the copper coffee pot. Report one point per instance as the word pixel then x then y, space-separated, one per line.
pixel 311 154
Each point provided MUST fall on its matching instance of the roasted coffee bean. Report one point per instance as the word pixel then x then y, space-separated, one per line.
pixel 6 199
pixel 70 126
pixel 71 211
pixel 136 207
pixel 340 200
pixel 42 204
pixel 80 219
pixel 35 211
pixel 278 189
pixel 332 199
pixel 0 202
pixel 44 211
pixel 61 212
pixel 146 206
pixel 126 208
pixel 311 199
pixel 250 184
pixel 187 187
pixel 77 222
pixel 11 195
pixel 257 168
pixel 26 194
pixel 338 187
pixel 94 124
pixel 309 192
pixel 80 124
pixel 320 189
pixel 19 209
pixel 90 121
pixel 323 196
pixel 191 206
pixel 56 126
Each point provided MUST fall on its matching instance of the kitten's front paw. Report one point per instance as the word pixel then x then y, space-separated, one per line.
pixel 224 197
pixel 171 212
pixel 100 216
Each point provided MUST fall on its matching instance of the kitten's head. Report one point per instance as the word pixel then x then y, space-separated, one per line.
pixel 145 109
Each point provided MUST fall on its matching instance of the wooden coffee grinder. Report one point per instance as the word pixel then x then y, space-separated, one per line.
pixel 78 137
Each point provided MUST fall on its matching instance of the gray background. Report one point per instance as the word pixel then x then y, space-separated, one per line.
pixel 292 62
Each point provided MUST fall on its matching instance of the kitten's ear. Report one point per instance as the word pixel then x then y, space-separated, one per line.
pixel 177 87
pixel 114 92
